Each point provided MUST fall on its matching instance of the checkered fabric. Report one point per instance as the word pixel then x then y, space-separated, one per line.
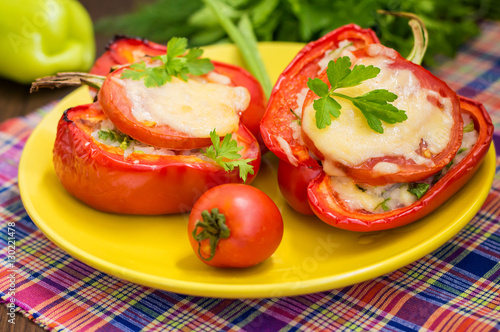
pixel 456 287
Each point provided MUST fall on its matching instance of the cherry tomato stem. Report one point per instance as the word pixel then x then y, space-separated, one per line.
pixel 214 228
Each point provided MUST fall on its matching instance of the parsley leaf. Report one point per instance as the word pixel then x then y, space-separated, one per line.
pixel 383 204
pixel 226 155
pixel 341 76
pixel 113 135
pixel 418 189
pixel 469 128
pixel 326 106
pixel 374 105
pixel 176 47
pixel 176 62
pixel 195 65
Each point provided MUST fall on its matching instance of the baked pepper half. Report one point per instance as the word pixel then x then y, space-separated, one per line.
pixel 42 37
pixel 124 50
pixel 160 133
pixel 387 188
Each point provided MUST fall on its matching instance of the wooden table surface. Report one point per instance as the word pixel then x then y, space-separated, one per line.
pixel 16 101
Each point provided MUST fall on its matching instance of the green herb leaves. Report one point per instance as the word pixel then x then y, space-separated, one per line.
pixel 374 105
pixel 176 63
pixel 153 76
pixel 340 74
pixel 418 189
pixel 114 136
pixel 383 205
pixel 468 128
pixel 226 155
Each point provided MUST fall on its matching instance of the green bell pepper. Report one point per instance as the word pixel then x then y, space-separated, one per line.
pixel 42 37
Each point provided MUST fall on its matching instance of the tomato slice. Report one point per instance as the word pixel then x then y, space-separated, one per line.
pixel 100 176
pixel 118 107
pixel 327 205
pixel 125 50
pixel 255 111
pixel 408 169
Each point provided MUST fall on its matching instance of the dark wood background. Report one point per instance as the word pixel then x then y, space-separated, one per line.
pixel 15 100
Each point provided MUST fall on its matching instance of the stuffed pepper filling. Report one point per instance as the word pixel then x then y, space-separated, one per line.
pixel 105 132
pixel 379 199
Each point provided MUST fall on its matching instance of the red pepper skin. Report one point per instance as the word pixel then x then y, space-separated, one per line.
pixel 124 50
pixel 326 205
pixel 101 177
pixel 277 119
pixel 293 182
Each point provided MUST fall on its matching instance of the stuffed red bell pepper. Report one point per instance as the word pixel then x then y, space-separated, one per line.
pixel 369 139
pixel 161 132
pixel 113 173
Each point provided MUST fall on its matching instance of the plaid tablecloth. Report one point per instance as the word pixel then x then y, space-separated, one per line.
pixel 456 287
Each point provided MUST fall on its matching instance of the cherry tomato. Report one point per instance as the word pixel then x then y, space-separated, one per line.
pixel 235 225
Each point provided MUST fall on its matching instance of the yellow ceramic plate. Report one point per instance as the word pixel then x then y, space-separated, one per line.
pixel 155 251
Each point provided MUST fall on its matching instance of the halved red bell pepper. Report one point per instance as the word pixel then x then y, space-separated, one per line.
pixel 100 175
pixel 326 205
pixel 124 50
pixel 297 161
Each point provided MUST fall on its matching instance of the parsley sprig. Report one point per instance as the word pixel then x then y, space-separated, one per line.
pixel 226 155
pixel 178 62
pixel 374 105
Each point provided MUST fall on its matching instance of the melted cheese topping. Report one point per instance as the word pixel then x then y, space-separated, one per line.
pixel 351 141
pixel 194 107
